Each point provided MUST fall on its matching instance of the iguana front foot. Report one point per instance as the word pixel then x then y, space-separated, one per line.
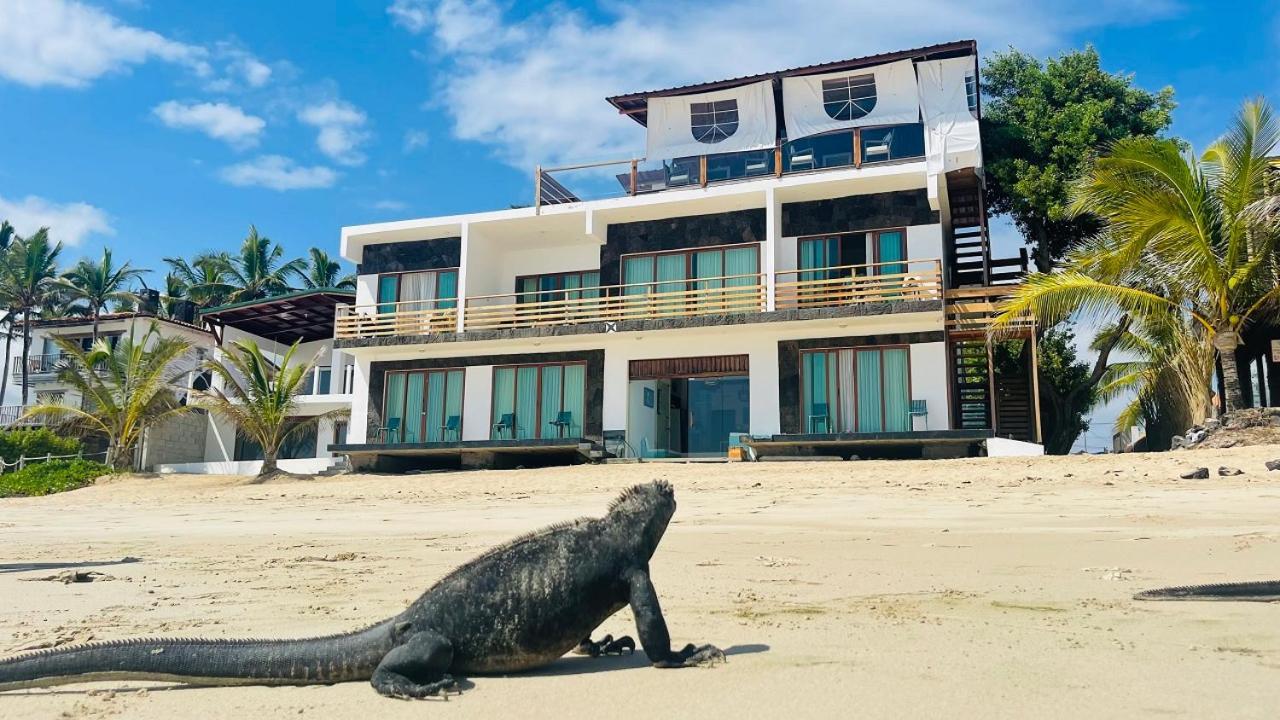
pixel 616 647
pixel 404 689
pixel 693 656
pixel 591 647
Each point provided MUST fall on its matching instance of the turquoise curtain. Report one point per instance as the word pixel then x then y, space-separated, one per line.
pixel 453 402
pixel 575 389
pixel 395 405
pixel 388 287
pixel 447 289
pixel 817 254
pixel 848 396
pixel 504 390
pixel 814 392
pixel 526 403
pixel 869 391
pixel 637 270
pixel 741 261
pixel 897 400
pixel 591 280
pixel 670 268
pixel 413 407
pixel 435 406
pixel 528 290
pixel 571 283
pixel 552 377
pixel 890 249
pixel 708 264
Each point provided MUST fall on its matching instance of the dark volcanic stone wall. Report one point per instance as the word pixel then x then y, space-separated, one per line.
pixel 858 212
pixel 412 255
pixel 593 397
pixel 693 231
pixel 789 366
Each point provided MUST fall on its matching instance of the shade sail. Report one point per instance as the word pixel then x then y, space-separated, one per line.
pixel 732 120
pixel 951 129
pixel 808 110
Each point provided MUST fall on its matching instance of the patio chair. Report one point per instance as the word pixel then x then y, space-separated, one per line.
pixel 452 425
pixel 802 159
pixel 880 150
pixel 563 421
pixel 506 422
pixel 390 429
pixel 919 408
pixel 757 163
pixel 679 173
pixel 820 414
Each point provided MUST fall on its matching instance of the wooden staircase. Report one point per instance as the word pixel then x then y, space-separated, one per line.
pixel 972 385
pixel 970 252
pixel 1014 408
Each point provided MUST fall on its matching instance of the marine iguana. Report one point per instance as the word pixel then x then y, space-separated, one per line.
pixel 1259 591
pixel 519 606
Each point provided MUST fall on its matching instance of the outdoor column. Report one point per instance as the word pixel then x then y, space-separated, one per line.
pixel 769 252
pixel 763 386
pixel 462 275
pixel 616 376
pixel 358 430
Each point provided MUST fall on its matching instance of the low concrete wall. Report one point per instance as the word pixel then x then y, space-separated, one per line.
pixel 179 439
pixel 306 466
pixel 1003 447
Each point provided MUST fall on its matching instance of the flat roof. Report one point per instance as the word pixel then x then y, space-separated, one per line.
pixel 87 320
pixel 305 315
pixel 636 104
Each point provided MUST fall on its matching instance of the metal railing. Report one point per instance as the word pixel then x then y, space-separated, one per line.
pixel 322 381
pixel 47 364
pixel 10 416
pixel 901 281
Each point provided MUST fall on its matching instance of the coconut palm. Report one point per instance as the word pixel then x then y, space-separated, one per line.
pixel 1181 235
pixel 323 272
pixel 25 282
pixel 259 270
pixel 204 280
pixel 98 283
pixel 259 396
pixel 125 389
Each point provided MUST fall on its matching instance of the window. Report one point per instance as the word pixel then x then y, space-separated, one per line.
pixel 856 390
pixel 298 445
pixel 849 98
pixel 423 406
pixel 340 432
pixel 558 286
pixel 427 290
pixel 712 122
pixel 733 271
pixel 538 401
pixel 971 90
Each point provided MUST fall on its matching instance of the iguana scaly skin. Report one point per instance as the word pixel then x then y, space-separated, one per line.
pixel 1261 591
pixel 516 607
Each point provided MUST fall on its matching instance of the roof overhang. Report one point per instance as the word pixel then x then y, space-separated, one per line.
pixel 636 104
pixel 301 316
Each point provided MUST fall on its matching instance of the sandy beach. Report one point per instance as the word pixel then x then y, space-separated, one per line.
pixel 969 588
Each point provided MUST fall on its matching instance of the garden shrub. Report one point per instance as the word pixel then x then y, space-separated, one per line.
pixel 46 478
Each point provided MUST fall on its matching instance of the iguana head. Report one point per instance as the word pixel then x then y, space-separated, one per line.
pixel 647 508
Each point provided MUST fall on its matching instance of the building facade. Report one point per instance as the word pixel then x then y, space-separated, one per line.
pixel 800 264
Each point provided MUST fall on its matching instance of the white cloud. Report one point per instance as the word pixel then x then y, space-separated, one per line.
pixel 543 101
pixel 415 139
pixel 69 223
pixel 390 205
pixel 341 129
pixel 278 173
pixel 69 44
pixel 219 121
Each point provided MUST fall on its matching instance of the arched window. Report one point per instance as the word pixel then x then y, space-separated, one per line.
pixel 849 98
pixel 711 122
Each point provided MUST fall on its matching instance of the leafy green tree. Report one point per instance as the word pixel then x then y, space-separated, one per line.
pixel 323 272
pixel 125 389
pixel 259 396
pixel 1182 235
pixel 99 283
pixel 1041 124
pixel 259 270
pixel 25 283
pixel 204 280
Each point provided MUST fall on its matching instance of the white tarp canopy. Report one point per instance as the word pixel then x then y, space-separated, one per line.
pixel 950 128
pixel 740 118
pixel 806 113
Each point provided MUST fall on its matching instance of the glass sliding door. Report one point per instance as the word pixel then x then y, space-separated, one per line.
pixel 420 404
pixel 541 401
pixel 426 290
pixel 849 390
pixel 411 428
pixel 697 272
pixel 891 250
pixel 393 409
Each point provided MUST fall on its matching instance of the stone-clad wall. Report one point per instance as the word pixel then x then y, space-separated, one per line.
pixel 179 439
pixel 730 228
pixel 594 395
pixel 858 212
pixel 789 366
pixel 412 255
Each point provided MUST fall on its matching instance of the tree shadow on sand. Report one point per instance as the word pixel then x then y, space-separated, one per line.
pixel 30 566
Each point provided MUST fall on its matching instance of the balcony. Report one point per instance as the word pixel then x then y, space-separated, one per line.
pixel 49 364
pixel 894 282
pixel 322 382
pixel 832 151
pixel 9 415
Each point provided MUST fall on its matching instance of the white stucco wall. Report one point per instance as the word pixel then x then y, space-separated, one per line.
pixel 358 432
pixel 924 242
pixel 477 402
pixel 929 383
pixel 642 421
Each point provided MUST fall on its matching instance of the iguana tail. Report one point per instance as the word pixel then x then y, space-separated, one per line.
pixel 309 661
pixel 1260 591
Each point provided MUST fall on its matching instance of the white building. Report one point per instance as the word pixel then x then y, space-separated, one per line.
pixel 800 264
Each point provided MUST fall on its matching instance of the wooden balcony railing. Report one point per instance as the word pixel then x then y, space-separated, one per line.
pixel 408 317
pixel 903 281
pixel 972 310
pixel 637 301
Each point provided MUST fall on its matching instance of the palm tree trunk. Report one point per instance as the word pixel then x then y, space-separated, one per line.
pixel 269 465
pixel 1225 342
pixel 96 314
pixel 8 351
pixel 26 355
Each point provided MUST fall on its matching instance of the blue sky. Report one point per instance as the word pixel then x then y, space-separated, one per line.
pixel 163 128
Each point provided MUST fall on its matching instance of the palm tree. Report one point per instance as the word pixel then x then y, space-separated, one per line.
pixel 322 272
pixel 26 280
pixel 1181 235
pixel 125 389
pixel 259 271
pixel 7 314
pixel 204 279
pixel 259 396
pixel 175 292
pixel 97 284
